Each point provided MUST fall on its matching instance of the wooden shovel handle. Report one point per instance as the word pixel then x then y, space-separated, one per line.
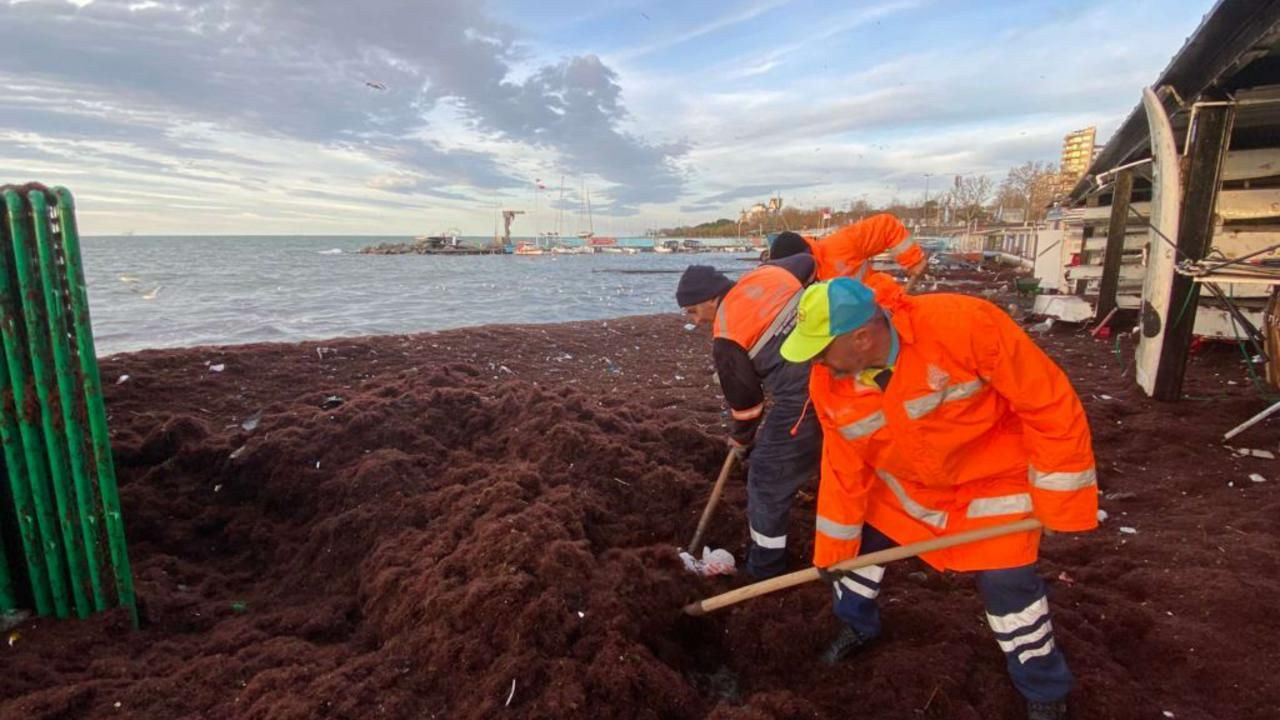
pixel 696 544
pixel 800 577
pixel 911 283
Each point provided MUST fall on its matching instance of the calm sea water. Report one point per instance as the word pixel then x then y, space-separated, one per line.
pixel 228 290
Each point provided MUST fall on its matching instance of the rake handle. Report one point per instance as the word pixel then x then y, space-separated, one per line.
pixel 901 552
pixel 696 544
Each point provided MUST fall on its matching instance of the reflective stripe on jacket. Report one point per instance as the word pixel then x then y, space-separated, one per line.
pixel 977 427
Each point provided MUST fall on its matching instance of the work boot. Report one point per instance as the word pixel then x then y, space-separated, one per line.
pixel 848 642
pixel 1047 711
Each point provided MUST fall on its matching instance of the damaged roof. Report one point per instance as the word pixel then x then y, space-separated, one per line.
pixel 1234 54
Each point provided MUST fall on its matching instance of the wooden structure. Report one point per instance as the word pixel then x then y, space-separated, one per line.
pixel 1178 218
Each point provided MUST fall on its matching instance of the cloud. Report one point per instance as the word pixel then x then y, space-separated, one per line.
pixel 279 68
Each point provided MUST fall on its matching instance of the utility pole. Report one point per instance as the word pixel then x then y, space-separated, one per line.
pixel 926 197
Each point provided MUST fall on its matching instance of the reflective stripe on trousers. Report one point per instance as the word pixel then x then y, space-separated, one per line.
pixel 1017 611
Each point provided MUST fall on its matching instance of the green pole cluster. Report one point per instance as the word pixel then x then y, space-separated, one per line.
pixel 60 518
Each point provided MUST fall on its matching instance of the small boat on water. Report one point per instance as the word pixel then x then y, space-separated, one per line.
pixel 529 249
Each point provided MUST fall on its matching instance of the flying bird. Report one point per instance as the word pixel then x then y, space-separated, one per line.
pixel 646 17
pixel 152 295
pixel 375 85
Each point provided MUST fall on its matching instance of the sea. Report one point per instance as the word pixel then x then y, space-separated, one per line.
pixel 162 292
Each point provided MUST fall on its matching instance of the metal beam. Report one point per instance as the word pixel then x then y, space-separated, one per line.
pixel 1212 136
pixel 1115 243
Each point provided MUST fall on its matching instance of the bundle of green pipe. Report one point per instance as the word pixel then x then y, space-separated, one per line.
pixel 63 547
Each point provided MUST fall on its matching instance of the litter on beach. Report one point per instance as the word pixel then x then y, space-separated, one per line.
pixel 713 562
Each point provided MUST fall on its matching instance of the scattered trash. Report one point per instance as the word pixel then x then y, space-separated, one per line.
pixel 1106 397
pixel 122 380
pixel 1166 713
pixel 581 615
pixel 317 464
pixel 1128 530
pixel 1066 579
pixel 332 402
pixel 217 488
pixel 713 562
pixel 690 327
pixel 1255 477
pixel 1042 327
pixel 505 369
pixel 117 704
pixel 217 368
pixel 918 576
pixel 1250 452
pixel 511 694
pixel 1102 515
pixel 251 423
pixel 239 606
pixel 238 452
pixel 129 279
pixel 13 618
pixel 14 637
pixel 152 294
pixel 1120 495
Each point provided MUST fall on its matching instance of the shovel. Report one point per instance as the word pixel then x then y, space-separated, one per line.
pixel 696 544
pixel 800 577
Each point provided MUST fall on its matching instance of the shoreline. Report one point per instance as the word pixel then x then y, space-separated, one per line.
pixel 503 502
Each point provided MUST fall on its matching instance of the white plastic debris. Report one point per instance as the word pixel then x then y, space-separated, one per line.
pixel 690 327
pixel 1106 397
pixel 1102 515
pixel 251 423
pixel 1128 530
pixel 714 562
pixel 1167 713
pixel 217 368
pixel 122 380
pixel 1255 477
pixel 581 615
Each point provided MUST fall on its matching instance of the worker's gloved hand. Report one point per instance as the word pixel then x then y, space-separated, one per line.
pixel 740 449
pixel 918 269
pixel 832 575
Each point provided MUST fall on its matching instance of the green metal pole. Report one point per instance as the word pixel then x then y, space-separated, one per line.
pixel 55 445
pixel 32 444
pixel 72 420
pixel 20 490
pixel 8 601
pixel 94 404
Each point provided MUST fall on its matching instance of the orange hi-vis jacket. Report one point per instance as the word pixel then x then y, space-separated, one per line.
pixel 976 427
pixel 759 306
pixel 848 251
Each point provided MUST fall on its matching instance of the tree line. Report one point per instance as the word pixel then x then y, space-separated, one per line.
pixel 1026 192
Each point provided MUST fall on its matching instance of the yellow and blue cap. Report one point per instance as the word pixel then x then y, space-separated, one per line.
pixel 827 310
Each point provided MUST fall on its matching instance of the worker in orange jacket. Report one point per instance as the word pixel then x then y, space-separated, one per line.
pixel 939 416
pixel 847 252
pixel 749 320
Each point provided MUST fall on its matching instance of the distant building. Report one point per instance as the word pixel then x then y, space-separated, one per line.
pixel 1078 150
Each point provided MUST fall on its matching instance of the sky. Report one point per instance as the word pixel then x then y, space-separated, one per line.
pixel 402 117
